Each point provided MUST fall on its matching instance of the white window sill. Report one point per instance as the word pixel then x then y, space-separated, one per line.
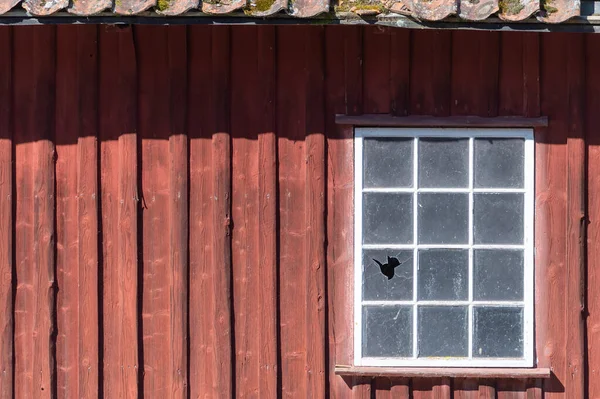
pixel 453 372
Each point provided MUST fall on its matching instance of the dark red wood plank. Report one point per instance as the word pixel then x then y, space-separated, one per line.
pixel 551 216
pixel 340 181
pixel 400 71
pixel 267 214
pixel 120 199
pixel 291 126
pixel 430 73
pixel 447 121
pixel 211 349
pixel 67 232
pixel 200 122
pixel 314 153
pixel 376 70
pixel 153 127
pixel 7 317
pixel 35 304
pixel 179 210
pixel 577 220
pixel 475 73
pixel 592 119
pixel 246 112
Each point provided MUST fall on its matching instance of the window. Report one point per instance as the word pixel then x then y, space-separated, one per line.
pixel 444 247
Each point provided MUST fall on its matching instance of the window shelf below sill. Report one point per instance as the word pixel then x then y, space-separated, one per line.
pixel 452 372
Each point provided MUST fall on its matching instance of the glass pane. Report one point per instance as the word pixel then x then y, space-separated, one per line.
pixel 387 331
pixel 443 274
pixel 387 218
pixel 443 162
pixel 377 286
pixel 388 162
pixel 498 218
pixel 499 163
pixel 498 275
pixel 442 331
pixel 497 332
pixel 443 218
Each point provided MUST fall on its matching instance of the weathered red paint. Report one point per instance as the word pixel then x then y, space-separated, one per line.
pixel 197 216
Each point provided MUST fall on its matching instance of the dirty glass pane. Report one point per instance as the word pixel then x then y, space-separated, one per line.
pixel 498 163
pixel 442 331
pixel 387 218
pixel 376 286
pixel 388 162
pixel 498 275
pixel 443 274
pixel 387 331
pixel 497 332
pixel 443 218
pixel 443 162
pixel 498 218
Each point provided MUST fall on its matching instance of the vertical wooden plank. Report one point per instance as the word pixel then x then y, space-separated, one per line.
pixel 35 304
pixel 222 224
pixel 267 215
pixel 315 212
pixel 245 114
pixel 475 73
pixel 340 182
pixel 67 233
pixel 487 390
pixel 382 387
pixel 430 72
pixel 511 389
pixel 199 125
pixel 465 388
pixel 576 222
pixel 291 103
pixel 178 210
pixel 164 165
pixel 593 179
pixel 400 71
pixel 212 345
pixel 377 70
pixel 7 275
pixel 511 91
pixel 119 177
pixel 77 212
pixel 551 215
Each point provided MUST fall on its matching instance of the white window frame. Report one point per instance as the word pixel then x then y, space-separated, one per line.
pixel 528 300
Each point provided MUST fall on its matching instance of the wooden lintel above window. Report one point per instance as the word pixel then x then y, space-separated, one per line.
pixel 447 121
pixel 451 372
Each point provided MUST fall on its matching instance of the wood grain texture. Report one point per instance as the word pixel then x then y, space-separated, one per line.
pixel 154 128
pixel 200 125
pixel 267 215
pixel 314 154
pixel 400 65
pixel 7 275
pixel 291 123
pixel 592 137
pixel 178 210
pixel 551 218
pixel 245 115
pixel 120 199
pixel 35 305
pixel 340 229
pixel 575 273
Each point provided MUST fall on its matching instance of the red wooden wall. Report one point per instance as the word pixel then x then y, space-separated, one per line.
pixel 176 203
